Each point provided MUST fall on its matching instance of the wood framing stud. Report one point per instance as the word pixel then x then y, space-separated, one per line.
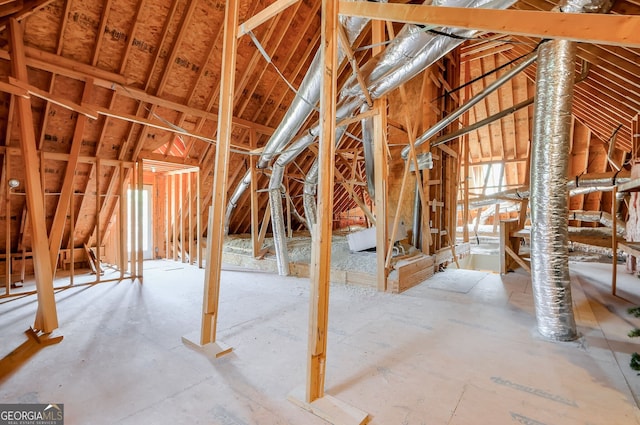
pixel 215 229
pixel 46 316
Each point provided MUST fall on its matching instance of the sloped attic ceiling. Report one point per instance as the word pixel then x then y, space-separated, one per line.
pixel 150 69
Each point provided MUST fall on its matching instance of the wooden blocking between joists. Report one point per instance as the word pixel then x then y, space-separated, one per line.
pixel 409 273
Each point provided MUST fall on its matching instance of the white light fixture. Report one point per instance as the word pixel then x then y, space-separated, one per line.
pixel 13 183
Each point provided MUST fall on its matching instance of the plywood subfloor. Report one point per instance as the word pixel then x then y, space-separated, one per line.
pixel 432 355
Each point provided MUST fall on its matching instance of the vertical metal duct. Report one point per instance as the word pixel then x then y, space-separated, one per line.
pixel 549 210
pixel 367 149
pixel 549 163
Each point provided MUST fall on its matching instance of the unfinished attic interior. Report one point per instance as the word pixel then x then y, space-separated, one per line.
pixel 186 186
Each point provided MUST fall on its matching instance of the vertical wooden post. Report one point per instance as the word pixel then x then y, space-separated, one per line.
pixel 167 215
pixel 72 241
pixel 255 220
pixel 221 167
pixel 174 210
pixel 321 233
pixel 123 222
pixel 97 227
pixel 183 250
pixel 133 204
pixel 332 410
pixel 190 221
pixel 199 218
pixel 60 217
pixel 465 211
pixel 380 177
pixel 614 240
pixel 140 217
pixel 46 316
pixel 7 249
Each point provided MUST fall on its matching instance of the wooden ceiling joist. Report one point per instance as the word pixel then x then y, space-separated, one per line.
pixel 619 30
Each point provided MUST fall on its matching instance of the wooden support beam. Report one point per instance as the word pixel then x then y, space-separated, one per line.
pixel 46 316
pixel 190 217
pixel 60 216
pixel 58 100
pixel 183 254
pixel 614 242
pixel 381 170
pixel 321 232
pixel 139 218
pixel 133 263
pixel 122 216
pixel 7 213
pixel 616 30
pixel 255 224
pixel 98 179
pixel 346 47
pixel 174 213
pixel 349 188
pixel 199 218
pixel 263 16
pixel 221 167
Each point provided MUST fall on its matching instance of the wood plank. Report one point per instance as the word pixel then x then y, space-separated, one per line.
pixel 617 30
pixel 263 16
pixel 321 232
pixel 46 316
pixel 60 216
pixel 381 170
pixel 219 190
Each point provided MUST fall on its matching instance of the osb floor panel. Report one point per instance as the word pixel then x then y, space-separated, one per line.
pixel 440 353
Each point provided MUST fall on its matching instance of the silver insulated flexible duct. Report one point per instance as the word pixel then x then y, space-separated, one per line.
pixel 549 211
pixel 301 107
pixel 549 162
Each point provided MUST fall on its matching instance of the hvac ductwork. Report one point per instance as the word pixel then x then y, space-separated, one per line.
pixel 549 211
pixel 449 119
pixel 550 157
pixel 301 107
pixel 390 74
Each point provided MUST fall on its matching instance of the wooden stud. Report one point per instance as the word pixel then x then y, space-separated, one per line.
pixel 140 218
pixel 381 170
pixel 614 241
pixel 123 223
pixel 7 213
pixel 72 241
pixel 97 226
pixel 321 232
pixel 221 167
pixel 167 216
pixel 133 204
pixel 263 16
pixel 255 223
pixel 181 209
pixel 174 212
pixel 46 316
pixel 584 27
pixel 199 218
pixel 190 221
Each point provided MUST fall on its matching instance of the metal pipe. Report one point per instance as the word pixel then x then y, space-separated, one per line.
pixel 299 110
pixel 468 129
pixel 442 124
pixel 367 149
pixel 279 232
pixel 549 210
